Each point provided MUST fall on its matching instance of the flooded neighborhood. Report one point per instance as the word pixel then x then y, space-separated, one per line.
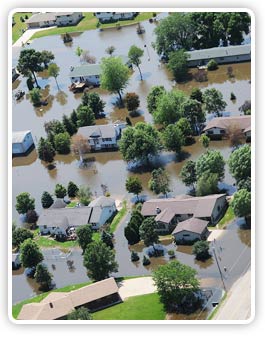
pixel 106 174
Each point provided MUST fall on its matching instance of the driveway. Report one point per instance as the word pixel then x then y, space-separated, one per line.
pixel 27 35
pixel 135 287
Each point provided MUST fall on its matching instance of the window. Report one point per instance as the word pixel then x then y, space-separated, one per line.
pixel 210 132
pixel 186 234
pixel 45 226
pixel 222 131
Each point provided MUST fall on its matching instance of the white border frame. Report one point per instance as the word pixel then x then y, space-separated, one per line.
pixel 253 168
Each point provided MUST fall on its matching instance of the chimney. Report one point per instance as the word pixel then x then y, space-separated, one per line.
pixel 51 305
pixel 158 210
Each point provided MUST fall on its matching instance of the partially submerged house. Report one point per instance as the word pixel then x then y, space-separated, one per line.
pixel 57 305
pixel 100 210
pixel 102 137
pixel 220 127
pixel 191 230
pixel 49 19
pixel 170 212
pixel 105 17
pixel 222 55
pixel 22 143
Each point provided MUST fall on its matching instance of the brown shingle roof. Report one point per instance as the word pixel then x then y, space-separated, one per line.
pixel 165 216
pixel 191 225
pixel 241 122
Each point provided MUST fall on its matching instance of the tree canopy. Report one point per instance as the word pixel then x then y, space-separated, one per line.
pixel 80 314
pixel 132 101
pixel 46 199
pixel 153 97
pixel 45 150
pixel 62 143
pixel 201 250
pixel 133 185
pixel 93 100
pixel 173 138
pixel 43 276
pixel 30 254
pixel 148 232
pixel 213 100
pixel 135 53
pixel 24 203
pixel 72 190
pixel 241 204
pixel 19 235
pixel 60 191
pixel 85 116
pixel 188 173
pixel 240 163
pixel 207 184
pixel 178 64
pixel 30 61
pixel 54 71
pixel 99 260
pixel 84 236
pixel 211 162
pixel 159 182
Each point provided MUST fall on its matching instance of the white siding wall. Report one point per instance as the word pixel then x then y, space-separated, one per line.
pixel 220 60
pixel 93 79
pixel 106 16
pixel 100 144
pixel 185 235
pixel 23 147
pixel 72 19
pixel 51 230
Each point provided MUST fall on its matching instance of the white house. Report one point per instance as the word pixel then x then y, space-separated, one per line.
pixel 191 229
pixel 115 16
pixel 101 209
pixel 229 54
pixel 68 18
pixel 221 126
pixel 49 19
pixel 22 142
pixel 102 137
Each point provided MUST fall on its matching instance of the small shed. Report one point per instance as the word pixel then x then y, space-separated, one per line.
pixel 22 142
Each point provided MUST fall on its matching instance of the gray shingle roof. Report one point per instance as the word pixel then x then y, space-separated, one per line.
pixel 40 17
pixel 102 202
pixel 102 131
pixel 191 225
pixel 18 136
pixel 85 70
pixel 219 52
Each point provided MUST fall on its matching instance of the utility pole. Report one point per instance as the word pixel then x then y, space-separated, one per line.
pixel 219 268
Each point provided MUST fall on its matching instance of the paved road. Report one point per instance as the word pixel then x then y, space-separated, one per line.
pixel 237 305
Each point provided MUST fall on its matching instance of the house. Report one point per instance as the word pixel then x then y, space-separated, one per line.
pixel 57 305
pixel 101 209
pixel 15 261
pixel 169 212
pixel 222 55
pixel 40 20
pixel 191 230
pixel 102 137
pixel 220 127
pixel 22 143
pixel 90 73
pixel 105 17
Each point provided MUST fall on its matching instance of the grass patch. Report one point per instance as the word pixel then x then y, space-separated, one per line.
pixel 144 307
pixel 213 313
pixel 87 23
pixel 118 217
pixel 17 307
pixel 18 26
pixel 228 217
pixel 72 204
pixel 46 242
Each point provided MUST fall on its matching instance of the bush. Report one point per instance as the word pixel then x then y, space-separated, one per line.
pixel 60 191
pixel 212 65
pixel 31 216
pixel 171 253
pixel 146 261
pixel 201 250
pixel 232 96
pixel 62 143
pixel 22 19
pixel 134 256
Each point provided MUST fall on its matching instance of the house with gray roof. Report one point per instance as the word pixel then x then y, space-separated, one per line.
pixel 222 55
pixel 49 19
pixel 100 211
pixel 191 230
pixel 171 211
pixel 102 137
pixel 105 17
pixel 220 127
pixel 22 142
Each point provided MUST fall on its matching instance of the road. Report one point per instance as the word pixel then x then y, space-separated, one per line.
pixel 237 305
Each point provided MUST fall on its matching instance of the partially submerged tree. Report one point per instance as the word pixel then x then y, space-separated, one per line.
pixel 240 163
pixel 207 184
pixel 60 191
pixel 188 173
pixel 46 57
pixel 46 200
pixel 62 143
pixel 132 101
pixel 211 162
pixel 84 236
pixel 80 146
pixel 84 194
pixel 214 102
pixel 93 100
pixel 86 57
pixel 135 53
pixel 30 254
pixel 173 138
pixel 178 64
pixel 54 71
pixel 43 277
pixel 153 97
pixel 24 203
pixel 29 62
pixel 72 190
pixel 85 116
pixel 204 140
pixel 148 233
pixel 159 182
pixel 134 185
pixel 45 150
pixel 19 235
pixel 201 250
pixel 241 204
pixel 110 50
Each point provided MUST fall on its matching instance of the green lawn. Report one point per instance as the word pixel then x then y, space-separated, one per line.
pixel 144 307
pixel 17 28
pixel 118 217
pixel 46 242
pixel 17 307
pixel 228 217
pixel 87 23
pixel 72 204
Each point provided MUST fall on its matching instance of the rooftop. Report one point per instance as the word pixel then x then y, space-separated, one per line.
pixel 98 131
pixel 241 122
pixel 18 136
pixel 191 225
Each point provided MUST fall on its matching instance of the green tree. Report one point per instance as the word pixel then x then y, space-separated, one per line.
pixel 54 127
pixel 173 138
pixel 85 116
pixel 146 261
pixel 107 239
pixel 148 232
pixel 132 101
pixel 201 250
pixel 207 184
pixel 93 100
pixel 244 184
pixel 178 64
pixel 213 100
pixel 168 110
pixel 79 51
pixel 135 53
pixel 60 191
pixel 153 97
pixel 114 76
pixel 196 94
pixel 205 140
pixel 29 62
pixel 192 110
pixel 32 217
pixel 176 283
pixel 131 235
pixel 46 58
pixel 174 32
pixel 240 163
pixel 110 50
pixel 134 185
pixel 30 254
pixel 184 125
pixel 211 162
pixel 72 190
pixel 35 96
pixel 69 126
pixel 24 203
pixel 62 143
pixel 188 173
pixel 54 71
pixel 241 204
pixel 80 314
pixel 212 65
pixel 99 260
pixel 46 200
pixel 139 142
pixel 19 235
pixel 246 107
pixel 84 236
pixel 159 182
pixel 45 150
pixel 74 117
pixel 84 194
pixel 43 277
